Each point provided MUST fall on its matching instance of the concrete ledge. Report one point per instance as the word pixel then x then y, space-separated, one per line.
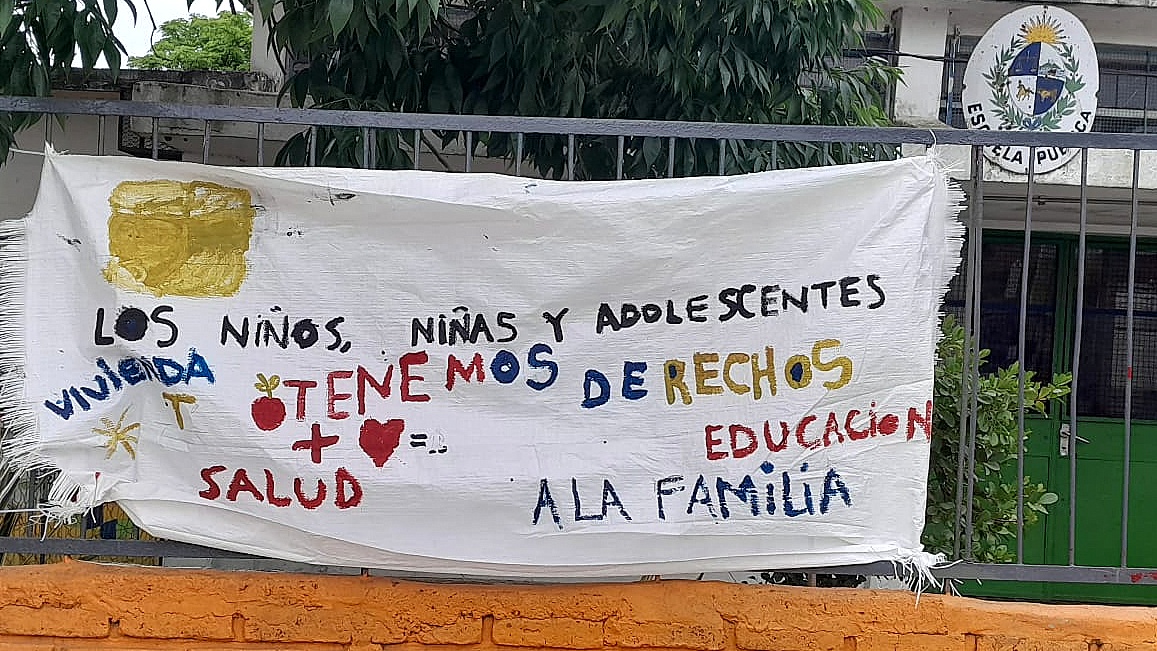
pixel 84 606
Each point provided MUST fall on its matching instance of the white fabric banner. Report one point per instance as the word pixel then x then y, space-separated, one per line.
pixel 484 374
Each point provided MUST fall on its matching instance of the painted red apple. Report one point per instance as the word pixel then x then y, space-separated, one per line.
pixel 268 412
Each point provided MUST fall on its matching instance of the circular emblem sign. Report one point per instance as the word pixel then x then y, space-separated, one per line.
pixel 1034 70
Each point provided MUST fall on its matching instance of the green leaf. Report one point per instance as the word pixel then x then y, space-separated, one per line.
pixel 89 40
pixel 112 55
pixel 110 10
pixel 724 74
pixel 7 10
pixel 651 147
pixel 40 81
pixel 339 15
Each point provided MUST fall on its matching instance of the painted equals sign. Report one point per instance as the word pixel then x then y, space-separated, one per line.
pixel 418 440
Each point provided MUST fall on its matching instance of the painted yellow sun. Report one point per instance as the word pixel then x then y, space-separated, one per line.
pixel 172 238
pixel 1041 29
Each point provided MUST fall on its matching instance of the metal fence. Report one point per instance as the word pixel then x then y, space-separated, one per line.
pixel 971 291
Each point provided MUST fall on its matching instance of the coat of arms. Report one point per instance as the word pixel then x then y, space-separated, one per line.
pixel 1035 79
pixel 1034 70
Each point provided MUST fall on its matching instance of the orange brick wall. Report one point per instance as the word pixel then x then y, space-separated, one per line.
pixel 83 607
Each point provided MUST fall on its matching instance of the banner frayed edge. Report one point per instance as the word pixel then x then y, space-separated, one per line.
pixel 914 568
pixel 20 444
pixel 955 201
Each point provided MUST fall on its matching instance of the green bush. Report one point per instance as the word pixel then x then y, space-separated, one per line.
pixel 994 494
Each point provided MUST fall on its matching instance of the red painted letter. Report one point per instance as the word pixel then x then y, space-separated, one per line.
pixel 454 370
pixel 712 455
pixel 302 386
pixel 241 483
pixel 343 478
pixel 213 491
pixel 752 442
pixel 332 396
pixel 408 360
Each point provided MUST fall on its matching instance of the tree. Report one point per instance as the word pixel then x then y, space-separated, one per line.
pixel 717 60
pixel 766 61
pixel 201 43
pixel 39 42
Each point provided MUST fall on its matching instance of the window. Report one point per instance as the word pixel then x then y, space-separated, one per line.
pixel 1104 368
pixel 1101 388
pixel 1000 272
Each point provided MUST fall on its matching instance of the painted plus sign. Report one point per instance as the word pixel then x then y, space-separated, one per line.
pixel 315 443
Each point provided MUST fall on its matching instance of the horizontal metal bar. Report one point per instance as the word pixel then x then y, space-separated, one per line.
pixel 100 547
pixel 981 571
pixel 1009 572
pixel 579 126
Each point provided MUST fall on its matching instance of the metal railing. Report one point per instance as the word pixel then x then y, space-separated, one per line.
pixel 893 139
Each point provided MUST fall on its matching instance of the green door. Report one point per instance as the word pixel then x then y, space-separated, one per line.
pixel 1101 422
pixel 1050 339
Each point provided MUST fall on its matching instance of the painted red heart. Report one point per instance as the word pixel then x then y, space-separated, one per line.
pixel 379 440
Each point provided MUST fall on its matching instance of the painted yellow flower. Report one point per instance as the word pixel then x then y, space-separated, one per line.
pixel 118 434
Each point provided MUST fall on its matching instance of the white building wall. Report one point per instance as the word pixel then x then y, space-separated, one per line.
pixel 920 30
pixel 262 58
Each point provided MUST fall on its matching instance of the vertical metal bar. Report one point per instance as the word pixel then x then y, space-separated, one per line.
pixel 1077 357
pixel 373 159
pixel 100 127
pixel 48 120
pixel 417 146
pixel 722 157
pixel 1129 361
pixel 671 157
pixel 619 159
pixel 156 139
pixel 260 144
pixel 774 154
pixel 1148 70
pixel 469 151
pixel 32 489
pixel 570 157
pixel 32 501
pixel 518 155
pixel 312 146
pixel 966 382
pixel 950 70
pixel 972 331
pixel 205 144
pixel 1020 345
pixel 827 148
pixel 365 147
